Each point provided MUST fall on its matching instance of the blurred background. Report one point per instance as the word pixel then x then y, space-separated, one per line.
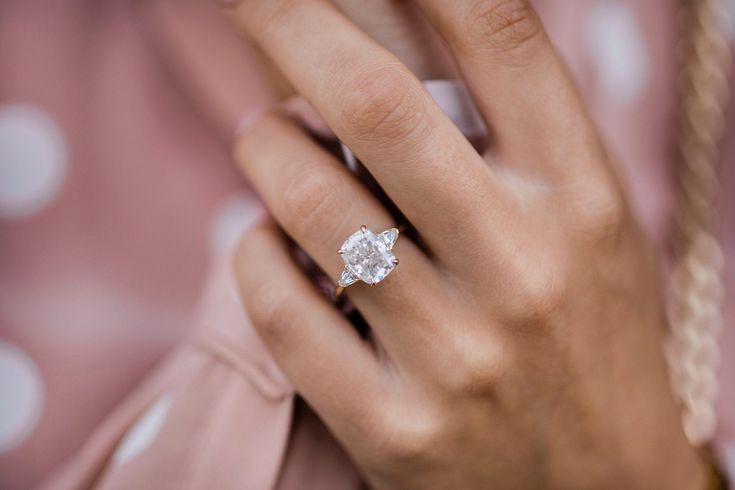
pixel 117 190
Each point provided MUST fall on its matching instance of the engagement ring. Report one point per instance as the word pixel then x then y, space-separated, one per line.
pixel 368 257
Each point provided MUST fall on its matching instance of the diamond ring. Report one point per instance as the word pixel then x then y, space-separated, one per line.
pixel 368 257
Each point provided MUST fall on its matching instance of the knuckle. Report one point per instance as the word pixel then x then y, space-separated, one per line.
pixel 382 105
pixel 473 367
pixel 539 285
pixel 600 214
pixel 502 26
pixel 543 293
pixel 313 200
pixel 408 436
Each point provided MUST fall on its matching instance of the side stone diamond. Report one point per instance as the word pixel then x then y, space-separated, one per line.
pixel 347 278
pixel 390 237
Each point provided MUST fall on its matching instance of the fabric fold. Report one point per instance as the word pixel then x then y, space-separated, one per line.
pixel 217 413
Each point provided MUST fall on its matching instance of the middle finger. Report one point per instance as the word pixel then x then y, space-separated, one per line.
pixel 383 114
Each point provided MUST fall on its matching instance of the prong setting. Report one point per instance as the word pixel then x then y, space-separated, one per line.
pixel 368 256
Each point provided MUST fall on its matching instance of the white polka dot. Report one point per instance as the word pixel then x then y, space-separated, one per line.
pixel 233 217
pixel 144 432
pixel 618 50
pixel 21 397
pixel 32 160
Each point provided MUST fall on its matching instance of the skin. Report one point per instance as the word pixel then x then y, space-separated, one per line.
pixel 521 348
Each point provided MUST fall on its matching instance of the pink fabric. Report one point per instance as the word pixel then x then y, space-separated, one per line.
pixel 228 421
pixel 105 281
pixel 97 286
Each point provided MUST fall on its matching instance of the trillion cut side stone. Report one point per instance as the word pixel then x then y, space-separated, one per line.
pixel 368 256
pixel 389 237
pixel 347 278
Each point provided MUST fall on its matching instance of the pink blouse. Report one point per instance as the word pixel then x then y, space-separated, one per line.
pixel 126 359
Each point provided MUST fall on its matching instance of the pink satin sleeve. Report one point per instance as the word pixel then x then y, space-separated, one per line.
pixel 217 413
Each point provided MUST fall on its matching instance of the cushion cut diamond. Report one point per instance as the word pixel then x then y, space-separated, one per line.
pixel 368 256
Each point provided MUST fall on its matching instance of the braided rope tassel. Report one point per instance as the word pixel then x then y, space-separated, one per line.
pixel 696 282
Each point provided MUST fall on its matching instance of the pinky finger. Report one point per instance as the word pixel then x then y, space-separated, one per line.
pixel 316 347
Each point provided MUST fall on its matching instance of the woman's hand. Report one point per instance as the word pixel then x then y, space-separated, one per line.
pixel 521 348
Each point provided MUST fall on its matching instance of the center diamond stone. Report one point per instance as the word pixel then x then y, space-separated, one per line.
pixel 368 256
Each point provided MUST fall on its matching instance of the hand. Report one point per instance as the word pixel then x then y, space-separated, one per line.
pixel 521 348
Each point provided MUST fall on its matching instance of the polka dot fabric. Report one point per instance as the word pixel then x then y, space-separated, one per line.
pixel 22 392
pixel 32 160
pixel 118 200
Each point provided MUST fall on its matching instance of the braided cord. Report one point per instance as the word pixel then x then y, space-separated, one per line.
pixel 696 283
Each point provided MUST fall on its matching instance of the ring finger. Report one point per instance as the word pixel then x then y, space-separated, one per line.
pixel 319 204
